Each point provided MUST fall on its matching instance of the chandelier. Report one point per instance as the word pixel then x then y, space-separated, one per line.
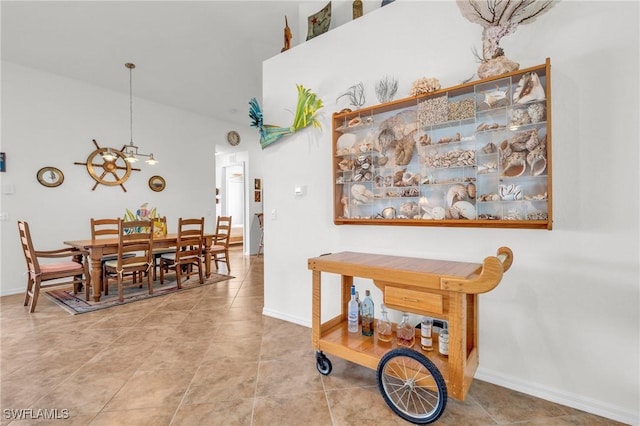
pixel 130 151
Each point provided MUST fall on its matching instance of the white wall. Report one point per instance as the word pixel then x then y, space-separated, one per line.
pixel 564 322
pixel 48 120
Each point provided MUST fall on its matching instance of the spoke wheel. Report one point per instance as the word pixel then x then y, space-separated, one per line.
pixel 108 172
pixel 412 386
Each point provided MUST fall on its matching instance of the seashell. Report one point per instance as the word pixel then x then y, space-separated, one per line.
pixel 357 177
pixel 505 149
pixel 515 165
pixel 520 117
pixel 510 192
pixel 533 140
pixel 409 209
pixel 471 190
pixel 537 160
pixel 489 148
pixel 537 112
pixel 445 140
pixel 493 97
pixel 404 149
pixel 529 89
pixel 383 161
pixel 361 194
pixel 425 140
pixel 464 209
pixel 423 202
pixel 345 165
pixel 456 193
pixel 438 212
pixel 389 213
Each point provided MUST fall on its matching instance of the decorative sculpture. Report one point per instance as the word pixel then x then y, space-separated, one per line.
pixel 386 89
pixel 355 94
pixel 357 9
pixel 287 35
pixel 308 105
pixel 498 19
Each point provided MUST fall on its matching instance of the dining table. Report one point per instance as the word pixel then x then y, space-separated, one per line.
pixel 100 247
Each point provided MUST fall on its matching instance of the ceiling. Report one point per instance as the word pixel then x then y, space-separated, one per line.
pixel 201 56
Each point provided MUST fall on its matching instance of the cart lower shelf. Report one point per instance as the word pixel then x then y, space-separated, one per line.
pixel 368 351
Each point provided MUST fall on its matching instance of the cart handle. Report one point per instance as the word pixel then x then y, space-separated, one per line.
pixel 489 277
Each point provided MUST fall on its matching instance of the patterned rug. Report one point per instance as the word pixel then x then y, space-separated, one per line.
pixel 76 304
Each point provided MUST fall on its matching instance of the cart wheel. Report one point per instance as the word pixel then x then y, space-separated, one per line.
pixel 412 386
pixel 323 364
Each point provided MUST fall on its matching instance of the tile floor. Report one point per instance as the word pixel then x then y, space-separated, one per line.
pixel 208 357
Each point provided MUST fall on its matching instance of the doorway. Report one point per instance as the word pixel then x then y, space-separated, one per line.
pixel 232 199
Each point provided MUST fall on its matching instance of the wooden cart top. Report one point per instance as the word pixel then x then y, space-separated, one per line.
pixel 464 277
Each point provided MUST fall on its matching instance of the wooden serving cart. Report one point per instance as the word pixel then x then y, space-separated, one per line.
pixel 414 383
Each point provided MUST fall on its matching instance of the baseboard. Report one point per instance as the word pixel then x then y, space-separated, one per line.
pixel 12 291
pixel 286 317
pixel 578 402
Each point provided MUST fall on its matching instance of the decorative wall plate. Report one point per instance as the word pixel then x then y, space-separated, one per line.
pixel 50 176
pixel 319 22
pixel 157 183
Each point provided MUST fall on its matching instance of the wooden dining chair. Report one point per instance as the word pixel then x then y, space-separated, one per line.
pixel 105 228
pixel 157 252
pixel 134 257
pixel 220 247
pixel 188 251
pixel 76 267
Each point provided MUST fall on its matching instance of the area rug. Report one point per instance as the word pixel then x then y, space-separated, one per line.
pixel 76 304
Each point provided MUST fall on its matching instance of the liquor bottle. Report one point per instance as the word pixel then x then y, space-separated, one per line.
pixel 384 326
pixel 359 308
pixel 426 342
pixel 352 312
pixel 405 332
pixel 367 314
pixel 443 340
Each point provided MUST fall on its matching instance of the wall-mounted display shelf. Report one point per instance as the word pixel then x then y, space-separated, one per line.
pixel 473 155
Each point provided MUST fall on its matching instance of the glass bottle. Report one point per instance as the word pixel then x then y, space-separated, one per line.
pixel 426 342
pixel 443 340
pixel 405 332
pixel 359 308
pixel 352 312
pixel 366 312
pixel 384 326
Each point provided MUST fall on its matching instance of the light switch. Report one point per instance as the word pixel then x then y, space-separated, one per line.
pixel 8 188
pixel 274 214
pixel 4 217
pixel 299 190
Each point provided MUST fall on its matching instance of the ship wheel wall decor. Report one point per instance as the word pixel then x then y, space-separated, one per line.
pixel 108 172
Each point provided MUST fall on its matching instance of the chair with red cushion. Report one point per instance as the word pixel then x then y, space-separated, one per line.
pixel 75 268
